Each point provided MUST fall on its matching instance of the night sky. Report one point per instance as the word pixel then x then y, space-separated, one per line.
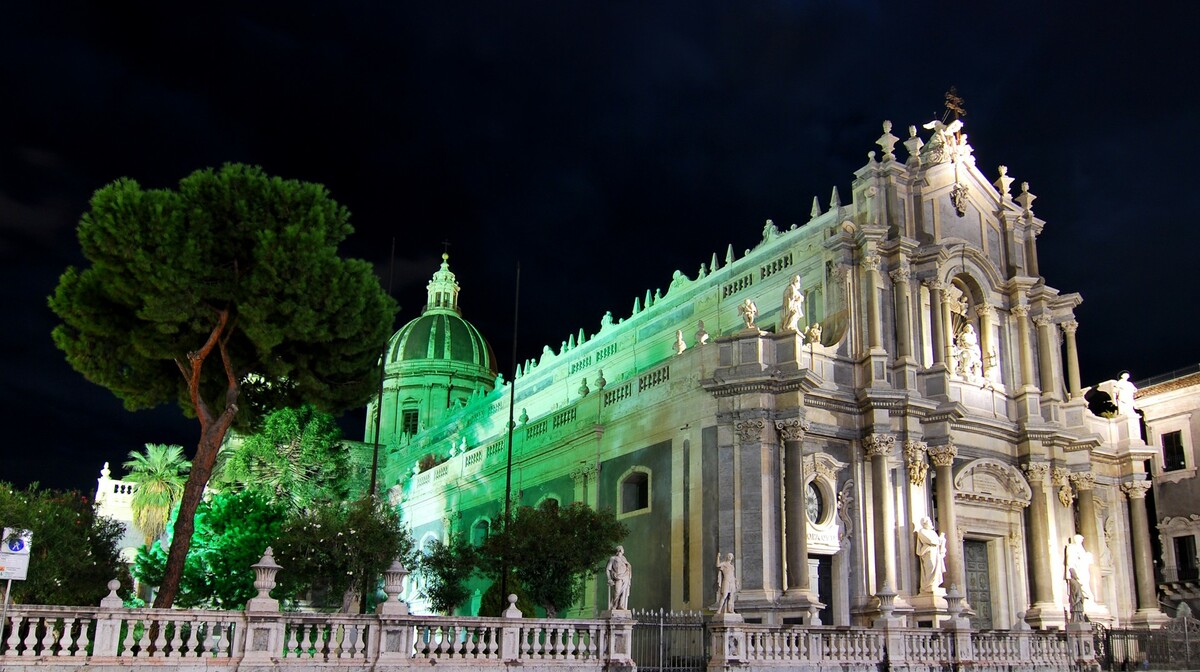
pixel 603 145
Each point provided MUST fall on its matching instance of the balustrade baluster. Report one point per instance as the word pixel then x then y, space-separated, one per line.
pixel 291 649
pixel 81 644
pixel 127 644
pixel 65 639
pixel 160 638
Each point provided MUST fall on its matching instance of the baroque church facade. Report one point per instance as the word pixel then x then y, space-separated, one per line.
pixel 922 368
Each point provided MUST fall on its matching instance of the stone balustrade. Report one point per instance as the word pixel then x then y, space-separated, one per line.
pixel 69 638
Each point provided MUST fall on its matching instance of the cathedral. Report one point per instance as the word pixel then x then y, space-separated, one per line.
pixel 885 400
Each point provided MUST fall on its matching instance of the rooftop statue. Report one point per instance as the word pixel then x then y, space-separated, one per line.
pixel 793 305
pixel 1123 391
pixel 748 310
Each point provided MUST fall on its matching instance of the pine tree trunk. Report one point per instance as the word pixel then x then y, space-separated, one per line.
pixel 185 522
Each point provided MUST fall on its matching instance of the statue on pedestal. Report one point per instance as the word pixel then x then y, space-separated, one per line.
pixel 1078 561
pixel 726 584
pixel 931 549
pixel 967 355
pixel 1123 391
pixel 620 575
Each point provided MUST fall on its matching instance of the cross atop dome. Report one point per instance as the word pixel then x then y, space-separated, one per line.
pixel 442 291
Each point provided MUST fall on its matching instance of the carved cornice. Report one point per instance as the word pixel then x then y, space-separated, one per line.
pixel 943 455
pixel 1069 327
pixel 1135 489
pixel 1083 481
pixel 750 431
pixel 792 429
pixel 914 457
pixel 821 465
pixel 879 444
pixel 1036 472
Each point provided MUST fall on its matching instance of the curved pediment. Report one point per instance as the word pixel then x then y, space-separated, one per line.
pixel 992 482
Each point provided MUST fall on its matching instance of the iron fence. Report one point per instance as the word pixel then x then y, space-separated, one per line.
pixel 670 641
pixel 1173 647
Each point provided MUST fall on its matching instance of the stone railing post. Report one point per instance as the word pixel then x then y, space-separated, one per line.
pixel 108 623
pixel 620 639
pixel 1082 645
pixel 264 628
pixel 510 635
pixel 728 644
pixel 959 627
pixel 891 625
pixel 392 640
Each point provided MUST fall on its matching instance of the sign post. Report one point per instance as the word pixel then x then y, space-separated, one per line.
pixel 14 564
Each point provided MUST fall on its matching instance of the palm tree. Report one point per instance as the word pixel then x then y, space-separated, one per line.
pixel 159 473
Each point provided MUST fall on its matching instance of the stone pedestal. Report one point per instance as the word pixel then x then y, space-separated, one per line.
pixel 931 608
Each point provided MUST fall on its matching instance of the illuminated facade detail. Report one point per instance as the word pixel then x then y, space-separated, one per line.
pixel 929 392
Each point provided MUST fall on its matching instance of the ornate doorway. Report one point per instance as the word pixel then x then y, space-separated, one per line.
pixel 979 582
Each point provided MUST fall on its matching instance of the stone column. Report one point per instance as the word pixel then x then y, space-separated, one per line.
pixel 1143 559
pixel 900 278
pixel 947 331
pixel 987 343
pixel 870 264
pixel 878 447
pixel 1021 313
pixel 943 466
pixel 1069 328
pixel 795 490
pixel 1041 579
pixel 935 319
pixel 1085 483
pixel 1046 347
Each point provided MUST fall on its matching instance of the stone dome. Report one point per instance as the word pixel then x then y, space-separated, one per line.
pixel 440 338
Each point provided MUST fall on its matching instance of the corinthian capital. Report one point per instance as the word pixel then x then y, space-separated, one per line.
pixel 1083 480
pixel 871 262
pixel 1135 489
pixel 792 429
pixel 879 444
pixel 1036 471
pixel 1020 310
pixel 750 431
pixel 985 310
pixel 933 284
pixel 1070 326
pixel 1044 320
pixel 901 275
pixel 943 455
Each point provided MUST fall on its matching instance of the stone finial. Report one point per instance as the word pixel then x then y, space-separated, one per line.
pixel 105 472
pixel 600 381
pixel 584 390
pixel 954 600
pixel 816 208
pixel 887 142
pixel 512 611
pixel 112 600
pixel 1003 183
pixel 701 333
pixel 524 417
pixel 835 201
pixel 264 581
pixel 393 585
pixel 1026 198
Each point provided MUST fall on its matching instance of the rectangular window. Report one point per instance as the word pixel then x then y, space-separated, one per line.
pixel 1172 451
pixel 408 421
pixel 1185 558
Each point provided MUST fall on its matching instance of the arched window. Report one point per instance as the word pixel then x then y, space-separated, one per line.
pixel 634 491
pixel 480 531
